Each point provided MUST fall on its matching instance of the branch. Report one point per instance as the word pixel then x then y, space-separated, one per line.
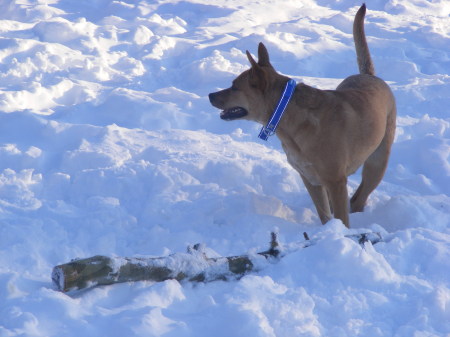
pixel 193 266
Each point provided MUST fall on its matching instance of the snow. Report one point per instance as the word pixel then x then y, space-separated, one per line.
pixel 108 145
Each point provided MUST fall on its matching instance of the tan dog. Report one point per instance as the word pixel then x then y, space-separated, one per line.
pixel 326 134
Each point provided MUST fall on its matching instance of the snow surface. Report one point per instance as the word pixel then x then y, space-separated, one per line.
pixel 108 145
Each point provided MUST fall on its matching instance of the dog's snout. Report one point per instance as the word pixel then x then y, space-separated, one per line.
pixel 216 100
pixel 219 98
pixel 211 97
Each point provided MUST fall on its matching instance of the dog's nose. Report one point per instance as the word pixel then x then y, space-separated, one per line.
pixel 211 97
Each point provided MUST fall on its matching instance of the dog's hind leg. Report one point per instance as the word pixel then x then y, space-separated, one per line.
pixel 373 172
pixel 374 168
pixel 319 197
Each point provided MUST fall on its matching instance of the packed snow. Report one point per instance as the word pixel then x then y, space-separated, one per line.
pixel 108 145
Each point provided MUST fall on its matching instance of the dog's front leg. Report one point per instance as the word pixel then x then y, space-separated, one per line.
pixel 319 197
pixel 339 199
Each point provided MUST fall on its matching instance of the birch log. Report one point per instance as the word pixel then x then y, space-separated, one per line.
pixel 192 266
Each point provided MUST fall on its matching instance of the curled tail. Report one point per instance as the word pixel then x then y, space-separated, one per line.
pixel 365 63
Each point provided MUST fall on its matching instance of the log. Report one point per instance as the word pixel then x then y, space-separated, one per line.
pixel 193 266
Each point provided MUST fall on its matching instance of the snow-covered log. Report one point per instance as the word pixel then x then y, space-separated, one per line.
pixel 194 266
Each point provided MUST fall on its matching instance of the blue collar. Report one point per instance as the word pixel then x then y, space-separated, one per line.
pixel 271 126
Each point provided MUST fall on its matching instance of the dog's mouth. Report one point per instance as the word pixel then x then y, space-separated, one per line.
pixel 233 113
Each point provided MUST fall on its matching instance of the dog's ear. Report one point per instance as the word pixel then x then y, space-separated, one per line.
pixel 258 77
pixel 251 59
pixel 263 56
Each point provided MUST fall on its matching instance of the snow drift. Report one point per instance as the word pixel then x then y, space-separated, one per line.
pixel 108 145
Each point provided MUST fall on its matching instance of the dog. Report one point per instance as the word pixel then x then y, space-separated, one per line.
pixel 326 134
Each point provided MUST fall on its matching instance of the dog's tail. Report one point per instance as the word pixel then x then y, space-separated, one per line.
pixel 365 63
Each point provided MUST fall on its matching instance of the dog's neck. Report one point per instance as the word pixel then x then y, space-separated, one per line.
pixel 303 112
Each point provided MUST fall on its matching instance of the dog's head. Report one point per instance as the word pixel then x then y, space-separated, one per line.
pixel 248 96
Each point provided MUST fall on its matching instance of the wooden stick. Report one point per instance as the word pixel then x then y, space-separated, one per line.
pixel 192 266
